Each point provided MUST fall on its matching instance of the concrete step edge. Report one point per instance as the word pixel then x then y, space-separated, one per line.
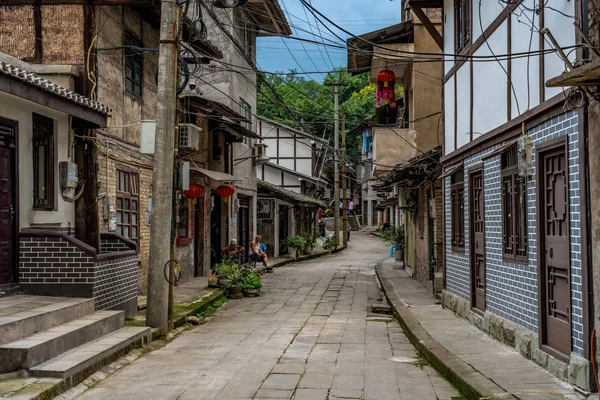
pixel 25 353
pixel 44 319
pixel 75 362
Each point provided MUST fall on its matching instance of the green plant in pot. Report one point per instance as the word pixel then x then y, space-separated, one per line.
pixel 250 282
pixel 311 242
pixel 395 237
pixel 295 242
pixel 229 273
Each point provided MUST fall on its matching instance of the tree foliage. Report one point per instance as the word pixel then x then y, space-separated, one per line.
pixel 309 105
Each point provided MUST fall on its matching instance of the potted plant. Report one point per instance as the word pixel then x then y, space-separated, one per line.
pixel 295 242
pixel 250 283
pixel 311 243
pixel 228 272
pixel 395 237
pixel 213 280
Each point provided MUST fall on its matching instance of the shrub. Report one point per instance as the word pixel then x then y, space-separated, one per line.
pixel 295 242
pixel 250 280
pixel 228 269
pixel 393 235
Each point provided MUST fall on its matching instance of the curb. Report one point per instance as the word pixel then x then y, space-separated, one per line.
pixel 470 382
pixel 309 257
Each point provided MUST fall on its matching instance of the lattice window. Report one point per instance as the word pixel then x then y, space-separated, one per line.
pixel 43 162
pixel 514 208
pixel 457 198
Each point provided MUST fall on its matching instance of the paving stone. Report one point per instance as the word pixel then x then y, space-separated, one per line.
pixel 308 337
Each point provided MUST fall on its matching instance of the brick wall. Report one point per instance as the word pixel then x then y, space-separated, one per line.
pixel 53 260
pixel 116 282
pixel 111 245
pixel 58 265
pixel 512 291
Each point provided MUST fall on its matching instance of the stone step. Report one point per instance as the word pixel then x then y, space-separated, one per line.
pixel 42 346
pixel 91 356
pixel 22 315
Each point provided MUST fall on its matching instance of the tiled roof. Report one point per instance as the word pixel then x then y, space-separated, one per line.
pixel 290 195
pixel 45 84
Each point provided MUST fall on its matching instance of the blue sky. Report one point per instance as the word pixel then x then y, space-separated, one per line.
pixel 356 16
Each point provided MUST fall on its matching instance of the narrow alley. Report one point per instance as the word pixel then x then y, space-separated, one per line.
pixel 310 336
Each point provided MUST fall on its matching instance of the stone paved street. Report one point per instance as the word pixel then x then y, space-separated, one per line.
pixel 309 337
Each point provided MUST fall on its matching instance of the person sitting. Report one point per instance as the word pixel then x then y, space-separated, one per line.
pixel 233 250
pixel 257 254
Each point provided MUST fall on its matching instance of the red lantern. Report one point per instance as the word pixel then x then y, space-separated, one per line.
pixel 386 80
pixel 194 191
pixel 225 191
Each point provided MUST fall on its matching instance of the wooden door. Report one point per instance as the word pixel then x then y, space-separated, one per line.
pixel 243 224
pixel 477 240
pixel 216 221
pixel 7 215
pixel 555 274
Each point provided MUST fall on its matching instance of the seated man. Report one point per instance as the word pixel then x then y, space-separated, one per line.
pixel 257 254
pixel 233 250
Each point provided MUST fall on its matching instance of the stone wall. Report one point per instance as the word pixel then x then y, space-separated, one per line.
pixel 512 288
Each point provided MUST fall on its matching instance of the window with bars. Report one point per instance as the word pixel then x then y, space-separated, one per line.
pixel 246 112
pixel 457 200
pixel 462 24
pixel 134 66
pixel 43 162
pixel 128 203
pixel 514 208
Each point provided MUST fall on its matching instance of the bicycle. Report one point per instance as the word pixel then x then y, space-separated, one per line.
pixel 174 267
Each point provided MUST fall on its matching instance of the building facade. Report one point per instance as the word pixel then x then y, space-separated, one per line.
pixel 514 181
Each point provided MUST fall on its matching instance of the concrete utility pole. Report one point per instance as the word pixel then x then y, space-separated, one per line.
pixel 162 178
pixel 344 180
pixel 336 160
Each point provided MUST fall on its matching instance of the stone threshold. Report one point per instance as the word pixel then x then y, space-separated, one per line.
pixel 479 366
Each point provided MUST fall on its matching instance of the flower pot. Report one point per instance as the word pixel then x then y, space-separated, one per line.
pixel 236 292
pixel 296 253
pixel 399 254
pixel 253 292
pixel 307 250
pixel 224 282
pixel 213 280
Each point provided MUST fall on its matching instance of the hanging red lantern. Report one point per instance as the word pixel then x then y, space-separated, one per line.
pixel 225 191
pixel 386 80
pixel 194 191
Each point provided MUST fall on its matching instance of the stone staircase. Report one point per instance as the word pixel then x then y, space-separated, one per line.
pixel 354 223
pixel 58 337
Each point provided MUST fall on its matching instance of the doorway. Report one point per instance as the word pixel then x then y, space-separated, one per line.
pixel 284 225
pixel 8 204
pixel 243 224
pixel 477 224
pixel 216 227
pixel 554 272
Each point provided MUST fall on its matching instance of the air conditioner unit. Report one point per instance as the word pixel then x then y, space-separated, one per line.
pixel 189 136
pixel 259 153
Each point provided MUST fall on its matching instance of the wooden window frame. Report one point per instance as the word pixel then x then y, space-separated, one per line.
pixel 128 192
pixel 134 61
pixel 186 217
pixel 463 26
pixel 457 209
pixel 246 112
pixel 510 180
pixel 43 136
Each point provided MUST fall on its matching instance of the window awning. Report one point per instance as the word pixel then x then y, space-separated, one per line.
pixel 499 150
pixel 449 171
pixel 237 130
pixel 388 202
pixel 216 175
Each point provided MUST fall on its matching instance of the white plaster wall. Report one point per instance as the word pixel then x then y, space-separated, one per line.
pixel 563 31
pixel 489 11
pixel 15 108
pixel 271 147
pixel 523 83
pixel 303 148
pixel 449 116
pixel 286 147
pixel 489 85
pixel 304 167
pixel 463 111
pixel 291 180
pixel 286 163
pixel 448 34
pixel 272 175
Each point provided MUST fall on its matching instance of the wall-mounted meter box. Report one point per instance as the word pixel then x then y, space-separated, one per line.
pixel 68 174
